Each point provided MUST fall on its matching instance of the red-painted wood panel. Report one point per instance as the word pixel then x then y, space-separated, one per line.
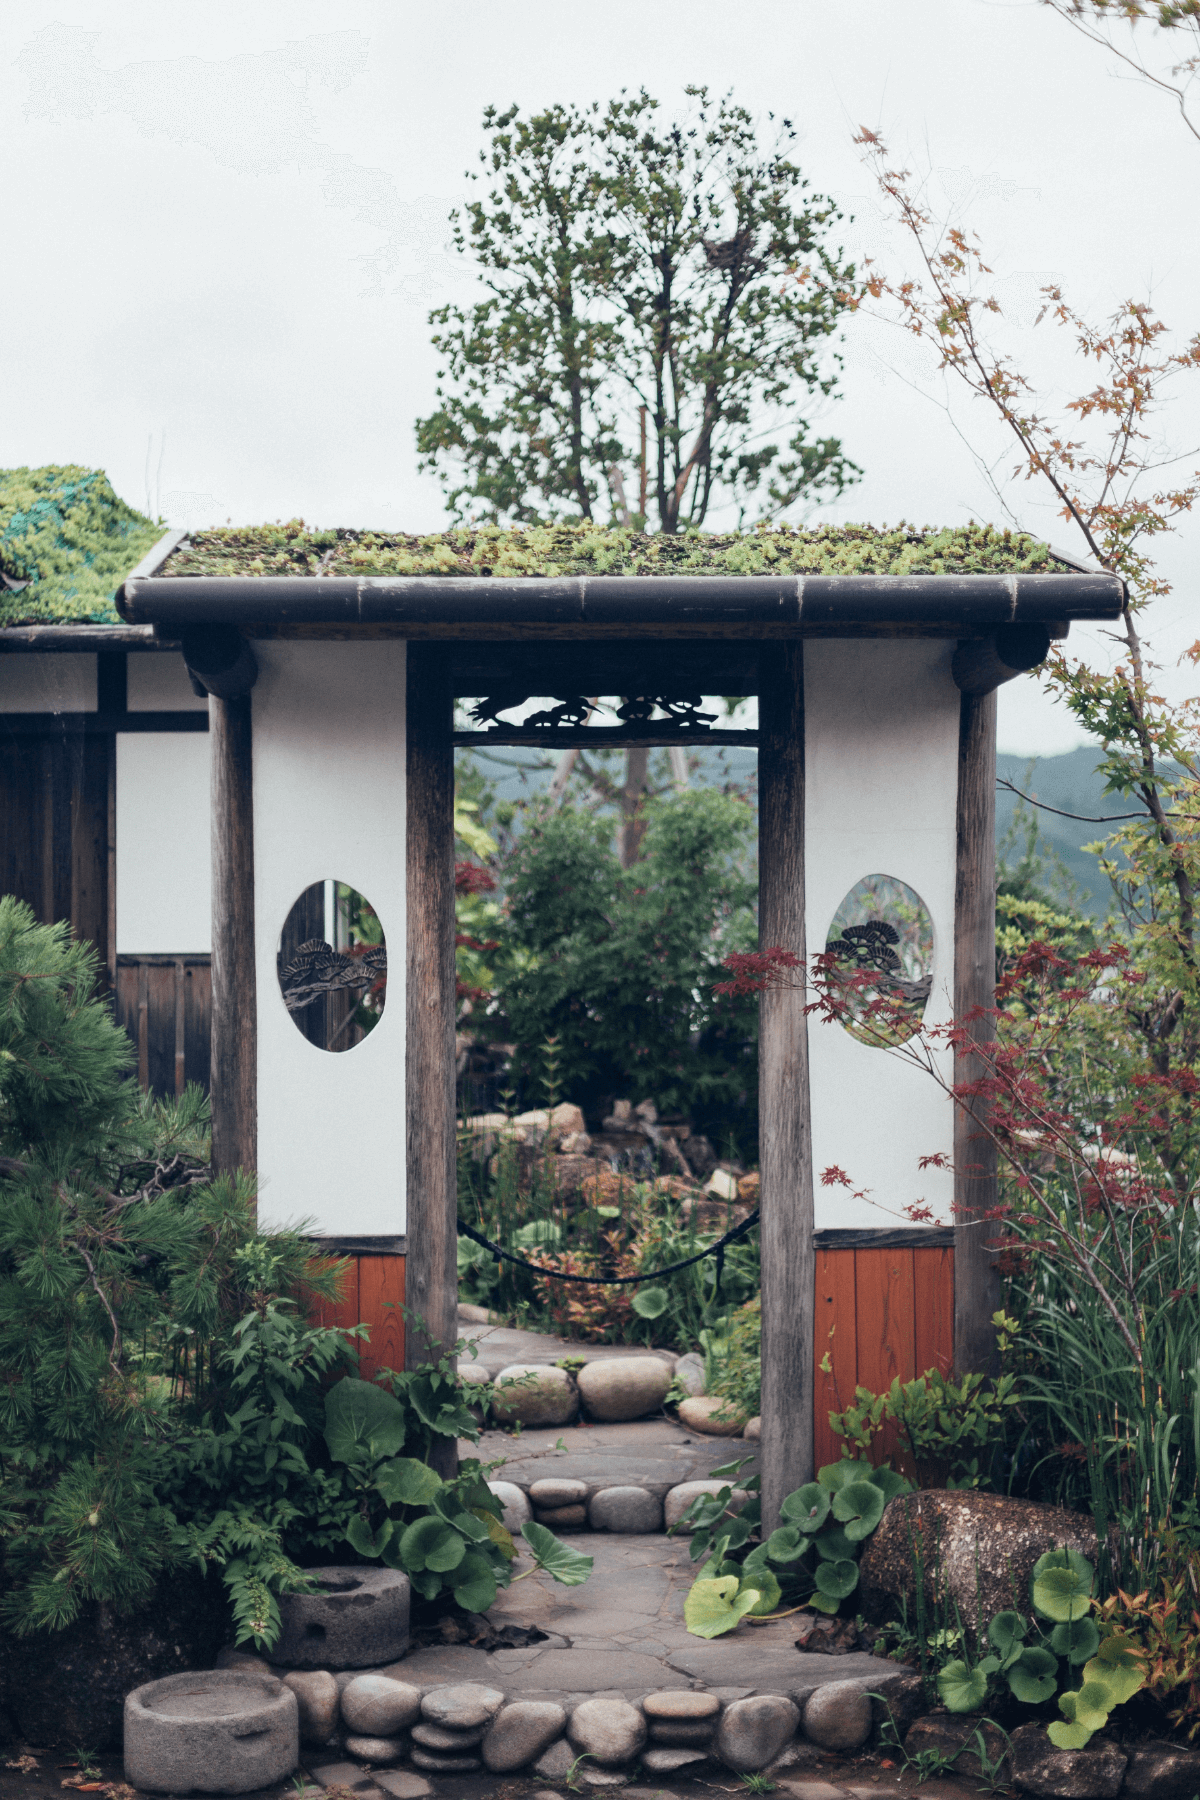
pixel 343 1312
pixel 835 1338
pixel 380 1297
pixel 886 1328
pixel 933 1311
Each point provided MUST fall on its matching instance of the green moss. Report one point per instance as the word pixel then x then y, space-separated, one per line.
pixel 65 532
pixel 549 550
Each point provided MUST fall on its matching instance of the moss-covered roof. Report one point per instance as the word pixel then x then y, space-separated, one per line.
pixel 584 549
pixel 65 533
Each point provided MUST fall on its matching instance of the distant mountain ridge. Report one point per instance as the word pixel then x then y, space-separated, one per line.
pixel 1071 783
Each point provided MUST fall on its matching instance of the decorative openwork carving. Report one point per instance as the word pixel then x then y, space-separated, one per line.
pixel 574 710
pixel 317 968
pixel 883 931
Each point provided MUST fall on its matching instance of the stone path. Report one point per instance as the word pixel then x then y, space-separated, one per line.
pixel 655 1454
pixel 498 1345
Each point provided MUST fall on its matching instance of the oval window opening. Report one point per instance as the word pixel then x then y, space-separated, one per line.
pixel 332 966
pixel 881 940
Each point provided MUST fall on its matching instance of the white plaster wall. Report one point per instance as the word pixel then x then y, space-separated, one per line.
pixel 164 859
pixel 158 682
pixel 881 754
pixel 47 681
pixel 329 751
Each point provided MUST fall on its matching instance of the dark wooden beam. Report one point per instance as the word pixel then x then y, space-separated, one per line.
pixel 234 1066
pixel 785 1137
pixel 432 1273
pixel 656 735
pixel 981 665
pixel 976 1280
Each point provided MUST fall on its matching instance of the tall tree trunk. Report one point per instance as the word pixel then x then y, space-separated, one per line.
pixel 633 823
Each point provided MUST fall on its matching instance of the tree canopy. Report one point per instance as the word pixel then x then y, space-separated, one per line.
pixel 672 280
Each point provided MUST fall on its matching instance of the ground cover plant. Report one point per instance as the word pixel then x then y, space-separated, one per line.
pixel 167 1400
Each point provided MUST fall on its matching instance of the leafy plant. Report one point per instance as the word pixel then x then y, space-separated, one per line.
pixel 939 1419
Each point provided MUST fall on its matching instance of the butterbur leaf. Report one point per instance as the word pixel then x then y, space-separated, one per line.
pixel 1088 1706
pixel 1061 1585
pixel 835 1475
pixel 859 1506
pixel 568 1566
pixel 367 1542
pixel 1033 1677
pixel 651 1302
pixel 715 1607
pixel 362 1422
pixel 961 1689
pixel 474 1584
pixel 1005 1634
pixel 890 1483
pixel 837 1579
pixel 1119 1667
pixel 428 1538
pixel 499 1534
pixel 808 1507
pixel 768 1589
pixel 833 1545
pixel 786 1544
pixel 406 1482
pixel 1066 1736
pixel 822 1603
pixel 988 1665
pixel 1076 1639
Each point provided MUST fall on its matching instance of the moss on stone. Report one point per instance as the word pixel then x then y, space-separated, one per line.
pixel 65 533
pixel 549 550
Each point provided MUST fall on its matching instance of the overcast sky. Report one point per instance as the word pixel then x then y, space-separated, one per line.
pixel 226 225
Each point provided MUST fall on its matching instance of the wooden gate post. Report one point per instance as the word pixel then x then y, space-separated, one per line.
pixel 976 1279
pixel 234 1067
pixel 785 1137
pixel 432 1272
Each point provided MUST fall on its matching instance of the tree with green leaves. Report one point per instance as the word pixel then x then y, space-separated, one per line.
pixel 660 299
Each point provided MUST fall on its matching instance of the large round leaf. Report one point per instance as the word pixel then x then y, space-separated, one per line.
pixel 406 1482
pixel 715 1607
pixel 362 1422
pixel 859 1506
pixel 1004 1635
pixel 651 1302
pixel 1076 1639
pixel 890 1482
pixel 808 1507
pixel 474 1583
pixel 835 1475
pixel 1120 1667
pixel 832 1544
pixel 769 1591
pixel 430 1543
pixel 837 1579
pixel 786 1544
pixel 961 1689
pixel 1062 1585
pixel 570 1567
pixel 1034 1675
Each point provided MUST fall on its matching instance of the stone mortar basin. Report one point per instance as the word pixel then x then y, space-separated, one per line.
pixel 212 1731
pixel 357 1620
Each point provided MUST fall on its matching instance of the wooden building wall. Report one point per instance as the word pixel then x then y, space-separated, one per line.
pixel 165 1004
pixel 56 829
pixel 373 1294
pixel 881 1312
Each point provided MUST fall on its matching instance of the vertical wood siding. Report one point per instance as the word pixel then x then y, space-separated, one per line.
pixel 55 831
pixel 165 1004
pixel 372 1294
pixel 880 1314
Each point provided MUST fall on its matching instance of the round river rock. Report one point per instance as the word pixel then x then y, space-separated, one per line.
pixel 377 1706
pixel 611 1731
pixel 623 1387
pixel 548 1397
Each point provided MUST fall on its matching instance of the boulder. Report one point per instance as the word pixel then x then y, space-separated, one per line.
pixel 752 1732
pixel 681 1704
pixel 689 1373
pixel 838 1716
pixel 753 1431
pixel 211 1731
pixel 64 1688
pixel 555 1763
pixel 544 1396
pixel 680 1498
pixel 473 1374
pixel 445 1739
pixel 722 1185
pixel 573 1167
pixel 376 1749
pixel 520 1733
pixel 376 1706
pixel 711 1415
pixel 625 1509
pixel 562 1518
pixel 748 1188
pixel 623 1387
pixel 1038 1768
pixel 1160 1771
pixel 357 1619
pixel 609 1731
pixel 517 1510
pixel 316 1694
pixel 971 1536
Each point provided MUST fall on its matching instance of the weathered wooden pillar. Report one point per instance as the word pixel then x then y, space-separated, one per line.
pixel 976 1280
pixel 234 1070
pixel 432 1272
pixel 785 1137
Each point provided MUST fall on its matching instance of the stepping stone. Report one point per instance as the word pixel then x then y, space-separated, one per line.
pixel 629 1509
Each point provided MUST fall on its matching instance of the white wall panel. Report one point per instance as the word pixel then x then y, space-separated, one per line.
pixel 47 681
pixel 329 754
pixel 158 682
pixel 164 857
pixel 881 753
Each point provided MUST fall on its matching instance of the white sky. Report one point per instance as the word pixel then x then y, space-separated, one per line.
pixel 225 226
